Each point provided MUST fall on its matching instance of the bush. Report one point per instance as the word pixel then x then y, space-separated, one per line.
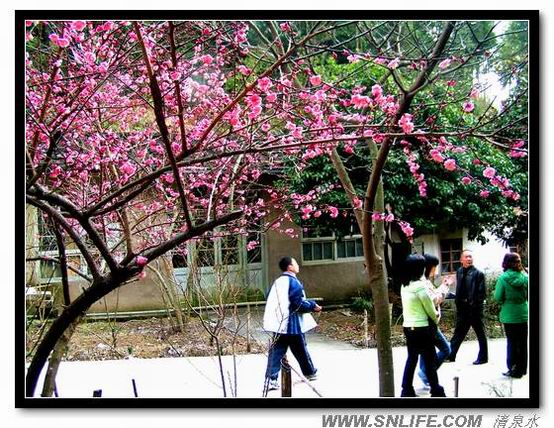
pixel 361 303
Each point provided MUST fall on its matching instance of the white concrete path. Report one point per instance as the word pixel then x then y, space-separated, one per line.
pixel 342 373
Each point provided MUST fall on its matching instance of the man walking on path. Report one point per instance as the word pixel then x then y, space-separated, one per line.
pixel 287 317
pixel 470 299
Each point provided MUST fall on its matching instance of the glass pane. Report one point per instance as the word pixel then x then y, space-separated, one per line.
pixel 318 251
pixel 49 270
pixel 445 267
pixel 456 266
pixel 328 250
pixel 456 255
pixel 229 250
pixel 254 255
pixel 307 252
pixel 456 244
pixel 205 253
pixel 341 249
pixel 350 249
pixel 445 256
pixel 179 261
pixel 359 248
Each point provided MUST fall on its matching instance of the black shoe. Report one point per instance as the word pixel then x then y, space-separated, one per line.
pixel 450 360
pixel 478 362
pixel 516 375
pixel 508 373
pixel 408 393
pixel 438 392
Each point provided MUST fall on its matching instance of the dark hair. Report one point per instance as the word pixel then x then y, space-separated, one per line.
pixel 512 261
pixel 414 267
pixel 285 262
pixel 430 262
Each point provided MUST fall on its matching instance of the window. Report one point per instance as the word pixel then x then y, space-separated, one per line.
pixel 451 251
pixel 325 245
pixel 50 270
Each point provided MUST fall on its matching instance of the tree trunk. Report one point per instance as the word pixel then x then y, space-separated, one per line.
pixel 55 359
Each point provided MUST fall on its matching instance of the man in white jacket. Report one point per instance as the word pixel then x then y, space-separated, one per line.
pixel 287 317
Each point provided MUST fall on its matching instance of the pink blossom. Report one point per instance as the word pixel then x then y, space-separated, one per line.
pixel 333 211
pixel 63 42
pixel 251 245
pixel 142 274
pixel 407 229
pixel 377 216
pixel 474 94
pixel 141 261
pixel 389 217
pixel 315 80
pixel 394 63
pixel 264 84
pixel 244 70
pixel 489 172
pixel 306 211
pixel 406 123
pixel 466 180
pixel 54 38
pixel 484 193
pixel 436 156
pixel 127 168
pixel 271 97
pixel 103 67
pixel 357 203
pixel 450 164
pixel 207 59
pixel 175 75
pixel 285 26
pixel 376 91
pixel 78 25
pixel 317 214
pixel 444 63
pixel 468 106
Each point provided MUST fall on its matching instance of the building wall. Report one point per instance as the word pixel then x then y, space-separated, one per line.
pixel 487 258
pixel 331 280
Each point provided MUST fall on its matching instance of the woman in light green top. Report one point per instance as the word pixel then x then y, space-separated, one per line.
pixel 418 311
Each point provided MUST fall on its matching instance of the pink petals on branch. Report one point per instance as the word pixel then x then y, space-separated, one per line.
pixel 489 172
pixel 445 63
pixel 62 42
pixel 333 212
pixel 450 164
pixel 468 106
pixel 141 261
pixel 406 123
pixel 315 80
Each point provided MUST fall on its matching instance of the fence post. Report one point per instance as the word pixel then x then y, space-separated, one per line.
pixel 456 385
pixel 286 378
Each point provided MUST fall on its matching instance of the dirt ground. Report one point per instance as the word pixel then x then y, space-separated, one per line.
pixel 158 337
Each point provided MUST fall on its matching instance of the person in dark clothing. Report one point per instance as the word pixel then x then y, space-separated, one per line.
pixel 511 293
pixel 470 300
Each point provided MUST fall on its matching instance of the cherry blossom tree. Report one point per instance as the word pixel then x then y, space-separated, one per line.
pixel 132 127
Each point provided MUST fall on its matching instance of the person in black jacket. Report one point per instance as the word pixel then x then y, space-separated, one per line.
pixel 470 299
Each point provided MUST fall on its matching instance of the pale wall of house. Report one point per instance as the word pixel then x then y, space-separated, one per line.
pixel 487 258
pixel 31 246
pixel 333 281
pixel 143 294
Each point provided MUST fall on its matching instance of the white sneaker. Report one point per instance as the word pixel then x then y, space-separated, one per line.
pixel 273 385
pixel 312 376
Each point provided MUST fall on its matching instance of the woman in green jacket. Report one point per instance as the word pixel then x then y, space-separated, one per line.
pixel 511 293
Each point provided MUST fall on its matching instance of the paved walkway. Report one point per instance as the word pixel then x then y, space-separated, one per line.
pixel 344 371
